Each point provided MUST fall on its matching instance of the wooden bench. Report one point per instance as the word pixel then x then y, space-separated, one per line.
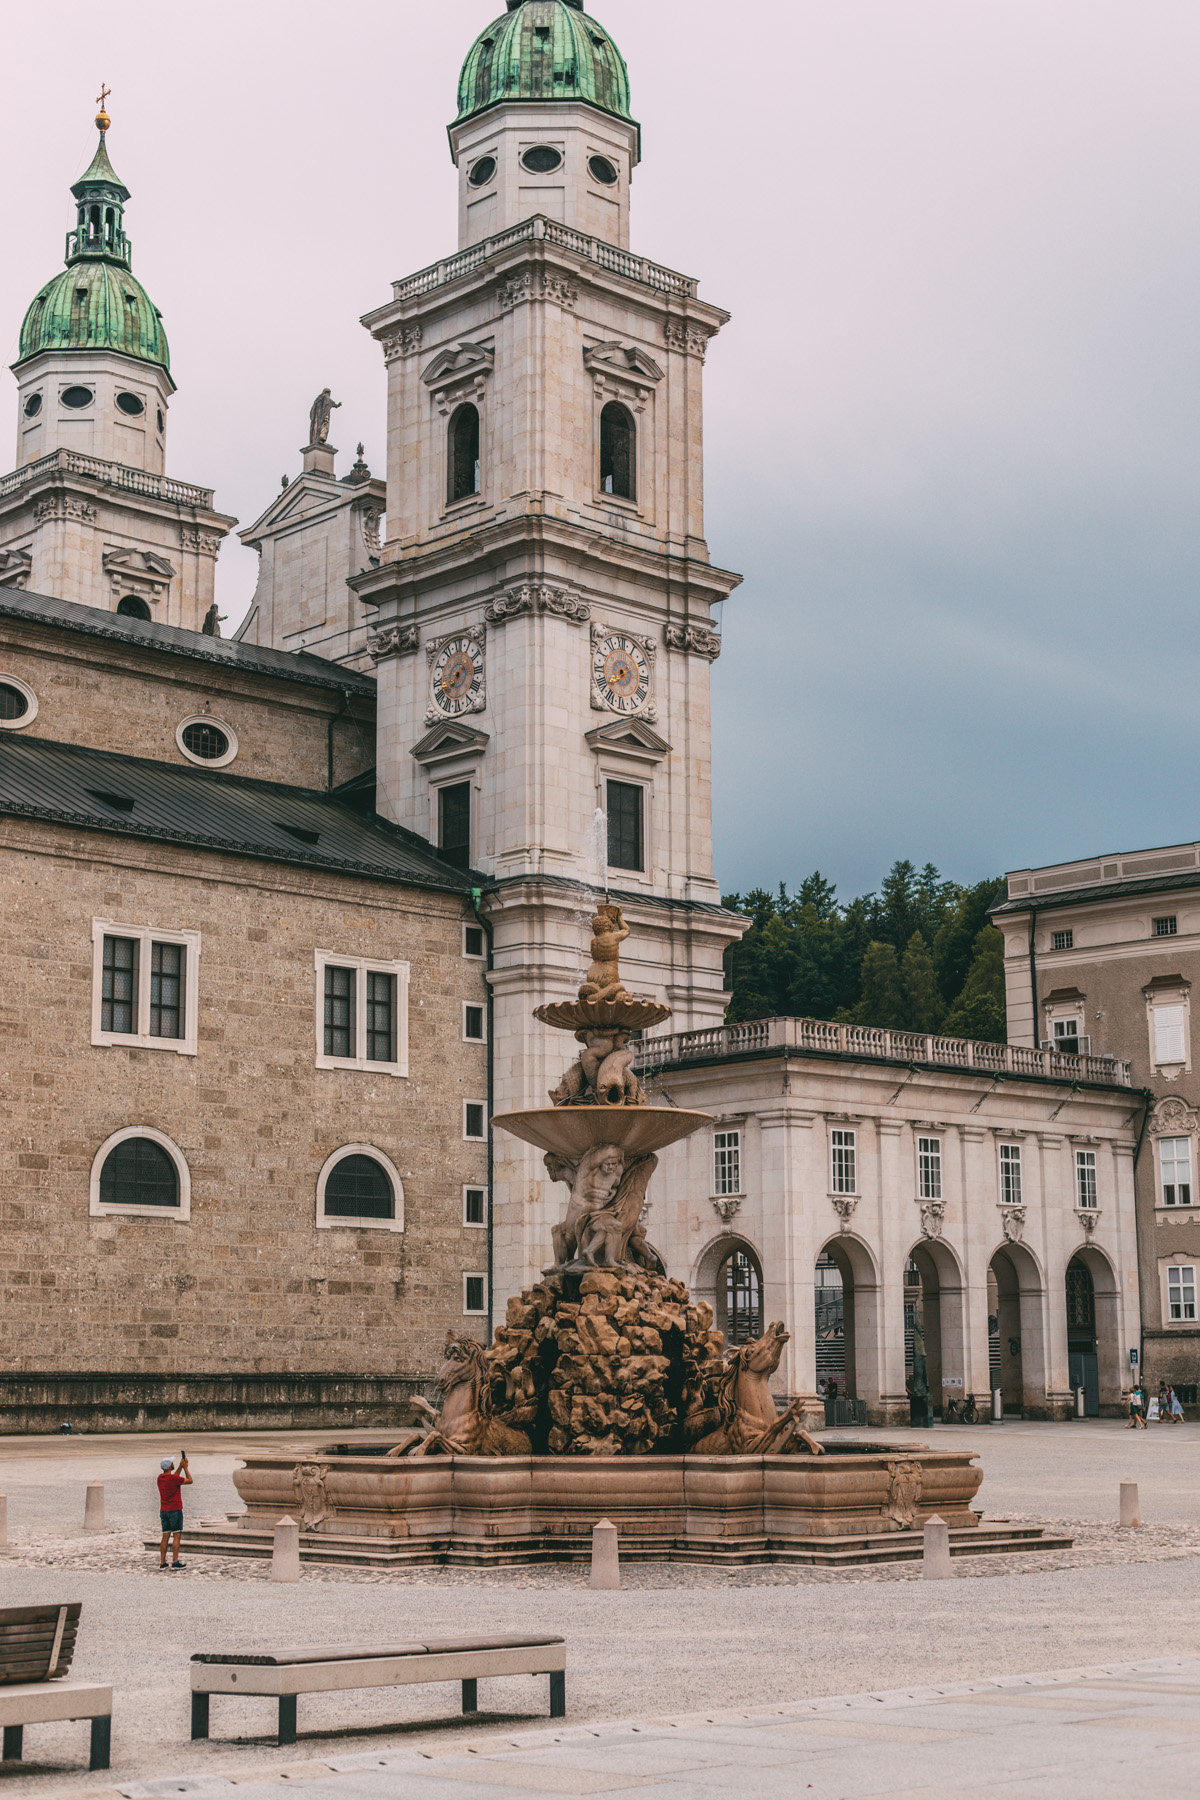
pixel 338 1668
pixel 36 1647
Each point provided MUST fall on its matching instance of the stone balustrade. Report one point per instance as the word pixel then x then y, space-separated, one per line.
pixel 109 474
pixel 549 231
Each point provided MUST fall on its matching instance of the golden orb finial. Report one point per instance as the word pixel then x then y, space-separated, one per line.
pixel 102 119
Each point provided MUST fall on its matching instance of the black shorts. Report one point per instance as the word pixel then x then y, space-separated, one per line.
pixel 172 1521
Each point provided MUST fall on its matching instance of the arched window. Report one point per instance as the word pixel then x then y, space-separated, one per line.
pixel 138 1170
pixel 739 1298
pixel 359 1185
pixel 1081 1300
pixel 463 471
pixel 618 452
pixel 133 608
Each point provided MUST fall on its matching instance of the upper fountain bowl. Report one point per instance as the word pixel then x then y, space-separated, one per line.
pixel 624 1014
pixel 570 1131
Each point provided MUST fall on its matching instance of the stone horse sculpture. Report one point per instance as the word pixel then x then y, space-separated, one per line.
pixel 466 1426
pixel 747 1420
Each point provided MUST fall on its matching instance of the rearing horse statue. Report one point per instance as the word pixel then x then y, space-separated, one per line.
pixel 465 1426
pixel 750 1425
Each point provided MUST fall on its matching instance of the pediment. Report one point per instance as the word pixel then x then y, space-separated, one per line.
pixel 630 737
pixel 138 562
pixel 629 360
pixel 15 568
pixel 304 497
pixel 450 739
pixel 459 362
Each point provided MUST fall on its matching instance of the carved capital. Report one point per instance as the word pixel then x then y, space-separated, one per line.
pixel 64 506
pixel 402 340
pixel 843 1206
pixel 206 542
pixel 529 284
pixel 686 335
pixel 529 597
pixel 392 640
pixel 697 639
pixel 727 1208
pixel 1088 1217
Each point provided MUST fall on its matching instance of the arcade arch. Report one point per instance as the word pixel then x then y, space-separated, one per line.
pixel 1017 1302
pixel 938 1297
pixel 849 1259
pixel 1093 1330
pixel 729 1276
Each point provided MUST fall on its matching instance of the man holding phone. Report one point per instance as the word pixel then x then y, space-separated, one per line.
pixel 170 1508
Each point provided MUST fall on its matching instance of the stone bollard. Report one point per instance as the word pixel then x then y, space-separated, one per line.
pixel 285 1556
pixel 93 1507
pixel 606 1558
pixel 935 1562
pixel 1130 1511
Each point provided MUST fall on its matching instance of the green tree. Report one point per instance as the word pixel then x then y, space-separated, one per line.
pixel 924 1006
pixel 979 1011
pixel 882 1001
pixel 954 943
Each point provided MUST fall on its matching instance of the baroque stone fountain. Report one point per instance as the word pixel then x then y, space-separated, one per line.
pixel 606 1392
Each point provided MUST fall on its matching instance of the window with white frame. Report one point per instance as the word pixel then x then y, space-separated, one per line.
pixel 1181 1293
pixel 843 1174
pixel 474 1295
pixel 1086 1191
pixel 1067 1034
pixel 474 1022
pixel 475 1121
pixel 727 1162
pixel 361 1014
pixel 1169 1033
pixel 1166 927
pixel 473 944
pixel 141 1172
pixel 1062 940
pixel 359 1188
pixel 475 1206
pixel 929 1168
pixel 1175 1170
pixel 144 985
pixel 1010 1174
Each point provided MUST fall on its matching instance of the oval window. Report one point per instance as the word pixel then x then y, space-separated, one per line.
pixel 76 397
pixel 129 403
pixel 482 171
pixel 33 406
pixel 206 741
pixel 603 171
pixel 542 159
pixel 13 703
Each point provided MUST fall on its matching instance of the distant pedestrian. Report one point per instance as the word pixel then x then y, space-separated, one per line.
pixel 170 1508
pixel 1137 1410
pixel 1176 1408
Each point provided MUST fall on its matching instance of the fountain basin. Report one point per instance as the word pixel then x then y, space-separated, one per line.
pixel 543 1508
pixel 570 1131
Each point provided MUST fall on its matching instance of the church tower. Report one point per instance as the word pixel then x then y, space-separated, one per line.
pixel 88 514
pixel 543 625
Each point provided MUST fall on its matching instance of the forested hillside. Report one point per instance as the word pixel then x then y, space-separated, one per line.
pixel 918 955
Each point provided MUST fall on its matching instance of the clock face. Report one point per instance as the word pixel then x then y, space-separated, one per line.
pixel 621 671
pixel 458 676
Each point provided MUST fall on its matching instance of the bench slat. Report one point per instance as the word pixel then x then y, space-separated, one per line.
pixel 341 1653
pixel 38 1615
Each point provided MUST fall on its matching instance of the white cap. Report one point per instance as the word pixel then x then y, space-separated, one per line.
pixel 168 1462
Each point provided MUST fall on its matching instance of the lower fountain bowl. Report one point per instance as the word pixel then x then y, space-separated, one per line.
pixel 572 1130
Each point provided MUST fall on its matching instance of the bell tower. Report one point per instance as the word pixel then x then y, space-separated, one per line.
pixel 542 610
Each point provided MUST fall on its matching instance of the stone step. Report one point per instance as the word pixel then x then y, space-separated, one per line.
pixel 826 1552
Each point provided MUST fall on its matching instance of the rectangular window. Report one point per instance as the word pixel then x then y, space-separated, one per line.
pixel 1181 1293
pixel 168 973
pixel 929 1168
pixel 1085 1178
pixel 341 1036
pixel 1175 1161
pixel 474 1206
pixel 1066 1036
pixel 626 826
pixel 119 1002
pixel 474 1024
pixel 454 824
pixel 474 1121
pixel 1168 1034
pixel 144 986
pixel 843 1174
pixel 1010 1174
pixel 1165 927
pixel 473 944
pixel 1062 940
pixel 727 1162
pixel 362 1014
pixel 475 1293
pixel 381 1017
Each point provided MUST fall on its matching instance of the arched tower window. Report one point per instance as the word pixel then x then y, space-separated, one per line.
pixel 618 447
pixel 133 608
pixel 463 470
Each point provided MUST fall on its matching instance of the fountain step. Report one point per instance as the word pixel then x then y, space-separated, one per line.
pixel 824 1552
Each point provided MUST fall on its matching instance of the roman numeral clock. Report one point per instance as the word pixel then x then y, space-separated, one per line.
pixel 622 672
pixel 456 676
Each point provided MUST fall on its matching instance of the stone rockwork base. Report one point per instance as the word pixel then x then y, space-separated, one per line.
pixel 38 1403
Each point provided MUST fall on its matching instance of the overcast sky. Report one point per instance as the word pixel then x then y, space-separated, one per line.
pixel 953 427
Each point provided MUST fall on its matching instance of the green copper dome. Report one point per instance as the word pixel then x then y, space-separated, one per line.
pixel 544 50
pixel 95 303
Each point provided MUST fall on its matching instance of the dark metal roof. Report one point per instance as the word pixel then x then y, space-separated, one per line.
pixel 1098 890
pixel 211 810
pixel 173 640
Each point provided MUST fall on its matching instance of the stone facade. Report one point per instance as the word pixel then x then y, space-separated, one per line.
pixel 1108 950
pixel 820 1147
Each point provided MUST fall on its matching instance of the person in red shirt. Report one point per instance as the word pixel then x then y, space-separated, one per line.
pixel 170 1508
